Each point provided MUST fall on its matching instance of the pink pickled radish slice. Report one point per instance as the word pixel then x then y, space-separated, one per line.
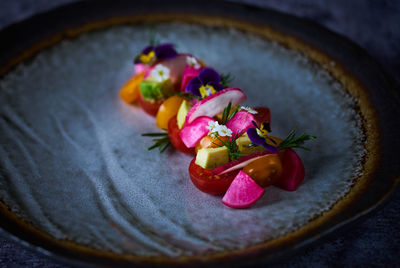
pixel 240 122
pixel 192 133
pixel 243 192
pixel 292 171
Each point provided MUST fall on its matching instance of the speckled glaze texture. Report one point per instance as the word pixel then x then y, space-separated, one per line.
pixel 76 166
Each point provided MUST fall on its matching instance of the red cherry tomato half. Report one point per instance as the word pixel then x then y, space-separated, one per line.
pixel 263 115
pixel 173 132
pixel 149 107
pixel 208 182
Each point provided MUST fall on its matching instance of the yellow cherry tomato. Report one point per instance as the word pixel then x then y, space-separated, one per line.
pixel 265 170
pixel 167 110
pixel 130 90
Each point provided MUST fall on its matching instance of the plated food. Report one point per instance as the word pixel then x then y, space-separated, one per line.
pixel 235 155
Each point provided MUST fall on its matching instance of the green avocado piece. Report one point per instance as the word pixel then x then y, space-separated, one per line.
pixel 152 90
pixel 182 112
pixel 243 143
pixel 210 158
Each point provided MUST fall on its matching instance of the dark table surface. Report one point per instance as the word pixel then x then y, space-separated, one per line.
pixel 375 26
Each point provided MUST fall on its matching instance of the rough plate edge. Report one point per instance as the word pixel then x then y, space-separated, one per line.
pixel 304 235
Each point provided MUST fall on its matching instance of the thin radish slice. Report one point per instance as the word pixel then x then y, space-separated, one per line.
pixel 192 133
pixel 243 192
pixel 239 163
pixel 293 172
pixel 215 103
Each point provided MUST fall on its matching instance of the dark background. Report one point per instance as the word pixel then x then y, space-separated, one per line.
pixel 373 25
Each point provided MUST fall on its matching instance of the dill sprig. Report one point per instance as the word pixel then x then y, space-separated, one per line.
pixel 161 142
pixel 227 114
pixel 291 141
pixel 226 79
pixel 233 148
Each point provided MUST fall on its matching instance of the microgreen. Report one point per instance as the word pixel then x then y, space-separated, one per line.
pixel 233 148
pixel 291 141
pixel 152 37
pixel 161 142
pixel 227 114
pixel 187 95
pixel 226 79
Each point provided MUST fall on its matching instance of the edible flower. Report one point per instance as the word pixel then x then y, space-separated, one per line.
pixel 160 73
pixel 259 136
pixel 205 84
pixel 224 131
pixel 151 54
pixel 248 109
pixel 213 126
pixel 192 61
pixel 217 129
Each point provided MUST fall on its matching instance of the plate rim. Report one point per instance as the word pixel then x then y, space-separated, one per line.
pixel 235 19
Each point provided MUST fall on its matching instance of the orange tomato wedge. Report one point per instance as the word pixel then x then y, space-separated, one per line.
pixel 168 109
pixel 130 90
pixel 265 170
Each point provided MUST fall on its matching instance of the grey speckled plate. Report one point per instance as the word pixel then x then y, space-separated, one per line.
pixel 77 180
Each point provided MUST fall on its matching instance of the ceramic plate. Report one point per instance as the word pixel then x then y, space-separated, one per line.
pixel 78 181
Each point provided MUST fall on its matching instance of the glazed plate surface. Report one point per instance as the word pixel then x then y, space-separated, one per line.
pixel 76 169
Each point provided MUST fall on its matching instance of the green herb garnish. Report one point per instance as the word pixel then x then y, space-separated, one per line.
pixel 152 37
pixel 227 114
pixel 161 143
pixel 291 141
pixel 187 95
pixel 233 148
pixel 226 79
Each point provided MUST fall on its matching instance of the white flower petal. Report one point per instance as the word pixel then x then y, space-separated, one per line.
pixel 248 109
pixel 224 131
pixel 212 126
pixel 160 73
pixel 192 61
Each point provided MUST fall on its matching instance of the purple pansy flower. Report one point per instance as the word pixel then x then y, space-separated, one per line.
pixel 152 53
pixel 259 136
pixel 205 84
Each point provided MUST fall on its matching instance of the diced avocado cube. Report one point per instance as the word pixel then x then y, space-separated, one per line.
pixel 244 142
pixel 182 112
pixel 210 158
pixel 152 90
